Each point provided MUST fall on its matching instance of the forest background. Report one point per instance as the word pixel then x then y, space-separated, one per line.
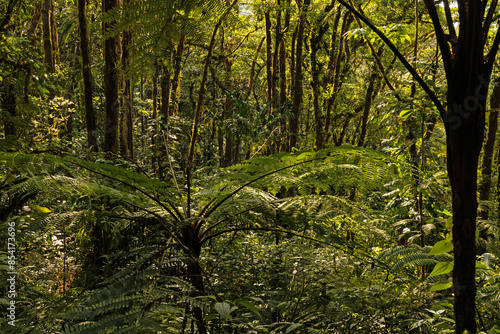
pixel 239 167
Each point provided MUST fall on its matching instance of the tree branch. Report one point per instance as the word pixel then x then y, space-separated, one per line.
pixel 399 55
pixel 449 20
pixel 441 37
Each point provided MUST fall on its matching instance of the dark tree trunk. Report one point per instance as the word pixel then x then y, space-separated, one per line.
pixel 35 20
pixel 283 88
pixel 47 35
pixel 176 83
pixel 371 92
pixel 297 83
pixel 468 68
pixel 126 126
pixel 54 37
pixel 110 84
pixel 468 77
pixel 87 77
pixel 335 71
pixel 166 86
pixel 154 125
pixel 317 34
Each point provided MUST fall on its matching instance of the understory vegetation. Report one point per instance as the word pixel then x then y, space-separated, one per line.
pixel 230 167
pixel 309 242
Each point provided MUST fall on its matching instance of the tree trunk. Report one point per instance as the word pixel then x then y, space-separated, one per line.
pixel 317 34
pixel 283 85
pixel 47 35
pixel 54 37
pixel 35 20
pixel 297 84
pixel 468 70
pixel 126 126
pixel 335 67
pixel 176 83
pixel 269 59
pixel 154 124
pixel 370 93
pixel 110 84
pixel 87 77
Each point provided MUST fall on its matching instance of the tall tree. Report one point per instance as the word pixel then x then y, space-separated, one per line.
pixel 47 35
pixel 468 70
pixel 126 138
pixel 90 120
pixel 297 81
pixel 110 82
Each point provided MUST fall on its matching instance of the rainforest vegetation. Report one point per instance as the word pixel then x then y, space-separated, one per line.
pixel 261 166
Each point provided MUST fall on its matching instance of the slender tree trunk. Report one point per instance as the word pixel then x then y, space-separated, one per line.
pixel 126 126
pixel 166 85
pixel 269 59
pixel 176 83
pixel 35 20
pixel 251 77
pixel 87 77
pixel 282 77
pixel 55 37
pixel 191 232
pixel 154 125
pixel 370 94
pixel 228 102
pixel 335 67
pixel 110 83
pixel 297 84
pixel 47 35
pixel 317 34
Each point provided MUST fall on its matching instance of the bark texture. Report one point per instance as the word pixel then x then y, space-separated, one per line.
pixel 110 84
pixel 87 77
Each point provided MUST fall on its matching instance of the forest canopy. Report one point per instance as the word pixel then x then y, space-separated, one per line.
pixel 263 166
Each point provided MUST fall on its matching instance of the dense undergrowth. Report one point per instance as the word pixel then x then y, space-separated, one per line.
pixel 310 242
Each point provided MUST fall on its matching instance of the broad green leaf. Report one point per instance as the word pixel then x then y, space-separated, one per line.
pixel 441 268
pixel 224 309
pixel 441 247
pixel 441 286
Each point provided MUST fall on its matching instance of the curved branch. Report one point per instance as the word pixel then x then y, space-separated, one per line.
pixel 399 55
